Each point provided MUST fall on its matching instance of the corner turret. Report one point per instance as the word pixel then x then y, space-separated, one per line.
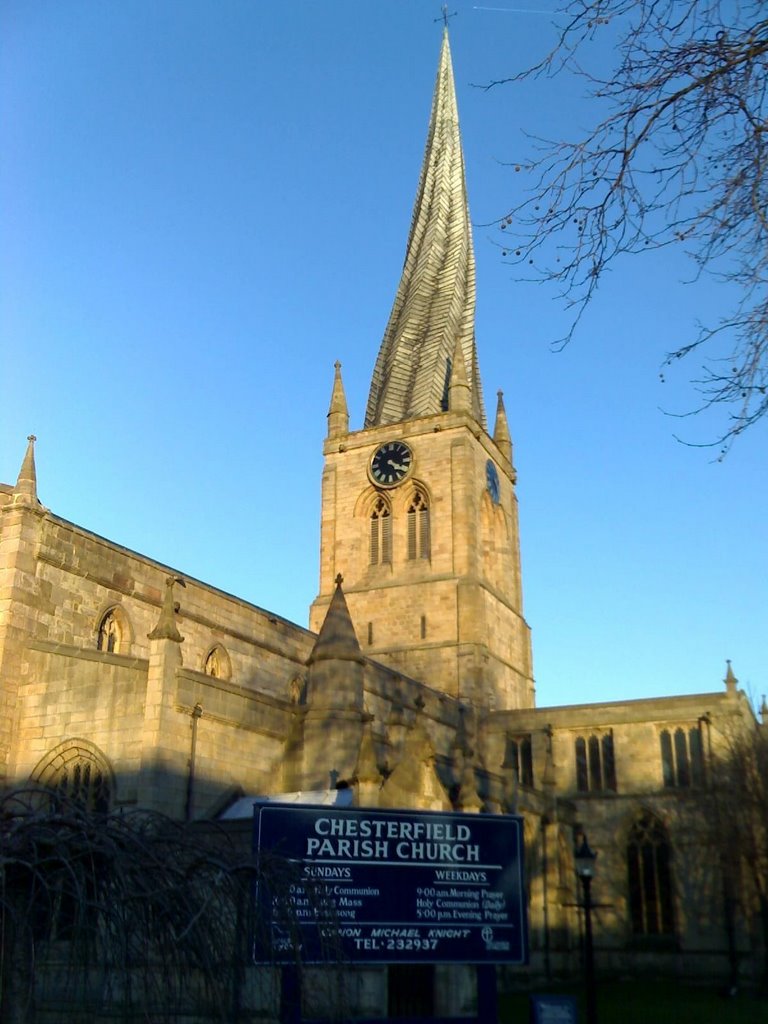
pixel 334 700
pixel 25 491
pixel 501 433
pixel 731 682
pixel 338 414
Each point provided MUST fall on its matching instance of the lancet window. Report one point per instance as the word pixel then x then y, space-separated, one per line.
pixel 216 663
pixel 110 633
pixel 380 550
pixel 418 528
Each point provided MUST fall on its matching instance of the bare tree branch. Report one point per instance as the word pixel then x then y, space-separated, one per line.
pixel 128 913
pixel 677 157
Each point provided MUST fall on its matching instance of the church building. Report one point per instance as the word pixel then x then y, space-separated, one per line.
pixel 128 684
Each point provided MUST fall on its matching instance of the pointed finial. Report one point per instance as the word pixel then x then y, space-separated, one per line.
pixel 338 413
pixel 730 679
pixel 764 711
pixel 166 628
pixel 501 428
pixel 337 639
pixel 25 492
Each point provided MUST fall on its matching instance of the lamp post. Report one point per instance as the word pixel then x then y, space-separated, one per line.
pixel 584 860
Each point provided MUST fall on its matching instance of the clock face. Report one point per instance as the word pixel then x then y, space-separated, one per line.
pixel 391 463
pixel 492 480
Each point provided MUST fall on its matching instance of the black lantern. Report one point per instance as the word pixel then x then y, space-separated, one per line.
pixel 584 859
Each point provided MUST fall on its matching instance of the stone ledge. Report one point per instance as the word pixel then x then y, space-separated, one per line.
pixel 88 654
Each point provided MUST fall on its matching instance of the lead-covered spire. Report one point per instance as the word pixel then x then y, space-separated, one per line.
pixel 434 309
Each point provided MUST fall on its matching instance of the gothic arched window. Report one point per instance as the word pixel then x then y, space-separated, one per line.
pixel 418 527
pixel 380 550
pixel 78 773
pixel 110 635
pixel 84 783
pixel 649 868
pixel 216 663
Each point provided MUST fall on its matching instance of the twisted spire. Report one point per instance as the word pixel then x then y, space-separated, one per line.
pixel 434 310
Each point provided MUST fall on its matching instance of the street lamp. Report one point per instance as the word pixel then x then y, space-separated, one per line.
pixel 584 860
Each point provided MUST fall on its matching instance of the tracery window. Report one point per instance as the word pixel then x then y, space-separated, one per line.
pixel 682 757
pixel 418 527
pixel 61 898
pixel 595 763
pixel 380 551
pixel 77 772
pixel 110 633
pixel 649 868
pixel 83 782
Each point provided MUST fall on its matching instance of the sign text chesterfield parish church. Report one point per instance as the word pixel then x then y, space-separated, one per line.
pixel 395 886
pixel 402 840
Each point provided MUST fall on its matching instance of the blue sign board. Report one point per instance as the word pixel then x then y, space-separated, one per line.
pixel 393 886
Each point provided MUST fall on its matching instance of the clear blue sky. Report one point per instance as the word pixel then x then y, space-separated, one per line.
pixel 204 204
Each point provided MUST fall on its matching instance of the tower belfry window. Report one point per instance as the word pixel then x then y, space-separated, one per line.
pixel 418 528
pixel 380 550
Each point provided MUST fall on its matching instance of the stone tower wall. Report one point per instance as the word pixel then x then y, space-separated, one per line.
pixel 455 618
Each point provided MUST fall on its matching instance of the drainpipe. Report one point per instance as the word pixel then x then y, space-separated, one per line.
pixel 189 807
pixel 545 877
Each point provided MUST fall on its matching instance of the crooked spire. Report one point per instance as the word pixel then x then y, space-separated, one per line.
pixel 434 310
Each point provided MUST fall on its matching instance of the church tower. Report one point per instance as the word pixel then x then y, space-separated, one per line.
pixel 419 511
